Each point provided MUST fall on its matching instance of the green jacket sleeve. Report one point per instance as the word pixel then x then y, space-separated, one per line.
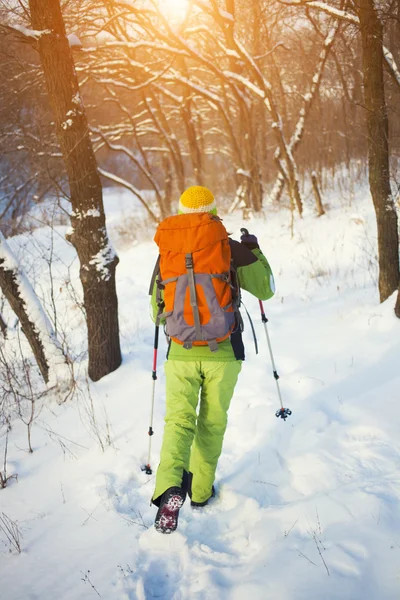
pixel 257 277
pixel 153 304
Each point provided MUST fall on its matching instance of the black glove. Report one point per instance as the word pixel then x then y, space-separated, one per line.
pixel 249 240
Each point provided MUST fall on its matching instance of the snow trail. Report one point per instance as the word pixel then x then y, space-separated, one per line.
pixel 307 508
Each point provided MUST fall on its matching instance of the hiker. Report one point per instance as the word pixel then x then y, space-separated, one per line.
pixel 196 294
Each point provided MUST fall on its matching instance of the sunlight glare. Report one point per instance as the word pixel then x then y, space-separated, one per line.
pixel 175 10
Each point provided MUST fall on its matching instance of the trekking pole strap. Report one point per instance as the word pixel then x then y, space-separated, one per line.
pixel 154 276
pixel 252 328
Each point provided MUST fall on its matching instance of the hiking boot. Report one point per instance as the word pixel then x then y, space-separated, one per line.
pixel 167 515
pixel 201 504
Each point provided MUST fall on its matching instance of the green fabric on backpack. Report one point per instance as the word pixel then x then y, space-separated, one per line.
pixel 192 443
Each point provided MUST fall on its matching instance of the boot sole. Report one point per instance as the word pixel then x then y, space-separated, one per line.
pixel 167 520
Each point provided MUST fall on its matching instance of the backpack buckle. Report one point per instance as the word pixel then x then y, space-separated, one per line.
pixel 213 345
pixel 189 261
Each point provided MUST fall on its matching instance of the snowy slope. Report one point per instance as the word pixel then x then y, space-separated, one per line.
pixel 306 509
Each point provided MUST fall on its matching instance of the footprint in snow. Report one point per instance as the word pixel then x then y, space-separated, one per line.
pixel 160 563
pixel 130 498
pixel 349 559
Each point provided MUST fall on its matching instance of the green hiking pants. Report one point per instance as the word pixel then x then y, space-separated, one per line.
pixel 193 442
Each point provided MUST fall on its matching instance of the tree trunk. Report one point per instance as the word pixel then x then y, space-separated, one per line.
pixel 26 306
pixel 256 188
pixel 317 194
pixel 193 142
pixel 378 149
pixel 171 142
pixel 187 111
pixel 89 236
pixel 168 185
pixel 298 133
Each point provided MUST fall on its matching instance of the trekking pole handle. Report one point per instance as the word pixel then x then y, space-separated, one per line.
pixel 264 318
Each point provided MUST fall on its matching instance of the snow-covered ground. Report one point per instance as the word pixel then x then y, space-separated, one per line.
pixel 306 509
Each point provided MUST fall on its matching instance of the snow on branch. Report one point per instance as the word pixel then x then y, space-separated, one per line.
pixel 344 15
pixel 394 69
pixel 316 82
pixel 74 42
pixel 136 160
pixel 131 188
pixel 28 34
pixel 243 51
pixel 326 8
pixel 198 88
pixel 304 112
pixel 136 46
pixel 248 84
pixel 224 14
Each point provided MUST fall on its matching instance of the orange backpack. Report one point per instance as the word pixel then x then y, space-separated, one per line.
pixel 195 294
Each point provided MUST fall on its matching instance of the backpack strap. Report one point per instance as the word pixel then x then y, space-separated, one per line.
pixel 193 297
pixel 156 271
pixel 156 280
pixel 160 301
pixel 236 295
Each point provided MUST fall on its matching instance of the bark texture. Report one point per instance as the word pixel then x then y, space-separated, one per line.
pixel 89 236
pixel 317 195
pixel 378 148
pixel 192 130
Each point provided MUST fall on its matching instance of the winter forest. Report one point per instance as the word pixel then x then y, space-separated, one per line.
pixel 289 111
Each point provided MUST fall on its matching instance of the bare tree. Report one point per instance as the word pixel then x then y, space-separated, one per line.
pixel 31 164
pixel 378 148
pixel 374 56
pixel 89 235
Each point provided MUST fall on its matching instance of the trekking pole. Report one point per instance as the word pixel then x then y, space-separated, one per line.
pixel 147 468
pixel 283 413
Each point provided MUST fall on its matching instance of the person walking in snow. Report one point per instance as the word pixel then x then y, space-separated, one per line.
pixel 196 295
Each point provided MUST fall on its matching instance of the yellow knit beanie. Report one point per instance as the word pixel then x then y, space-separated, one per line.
pixel 197 199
